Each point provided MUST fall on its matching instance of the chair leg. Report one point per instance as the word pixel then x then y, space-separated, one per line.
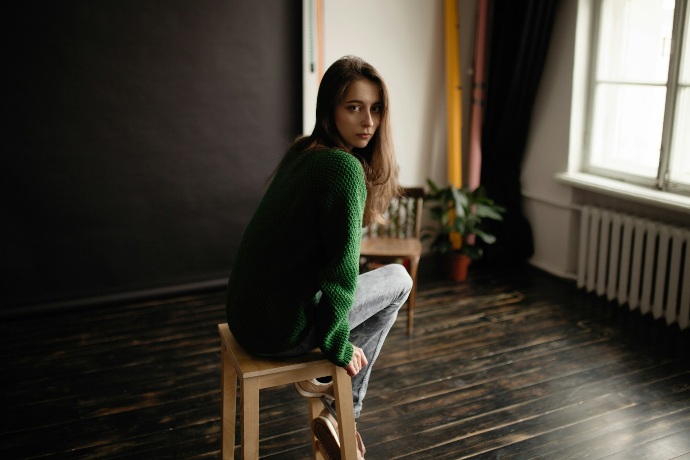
pixel 315 408
pixel 249 391
pixel 414 263
pixel 342 386
pixel 228 395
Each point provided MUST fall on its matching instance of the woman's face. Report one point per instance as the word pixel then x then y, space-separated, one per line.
pixel 358 115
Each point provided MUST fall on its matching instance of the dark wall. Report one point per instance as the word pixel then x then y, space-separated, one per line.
pixel 140 136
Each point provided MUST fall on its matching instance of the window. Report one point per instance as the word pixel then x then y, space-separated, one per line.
pixel 639 93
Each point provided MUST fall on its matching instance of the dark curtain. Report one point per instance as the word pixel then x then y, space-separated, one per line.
pixel 519 40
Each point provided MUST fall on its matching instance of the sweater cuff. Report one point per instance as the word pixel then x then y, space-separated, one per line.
pixel 343 358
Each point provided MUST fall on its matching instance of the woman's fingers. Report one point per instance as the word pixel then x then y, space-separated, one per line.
pixel 363 359
pixel 357 362
pixel 350 369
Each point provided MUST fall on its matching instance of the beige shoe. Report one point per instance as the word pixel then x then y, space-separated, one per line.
pixel 325 429
pixel 315 389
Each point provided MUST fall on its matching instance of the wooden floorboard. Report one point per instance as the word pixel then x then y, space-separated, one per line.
pixel 508 365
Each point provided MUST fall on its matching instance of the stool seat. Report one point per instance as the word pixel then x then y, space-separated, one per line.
pixel 259 372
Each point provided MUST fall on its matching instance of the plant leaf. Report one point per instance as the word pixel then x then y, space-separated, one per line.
pixel 436 213
pixel 470 251
pixel 488 211
pixel 459 200
pixel 487 238
pixel 432 185
pixel 459 224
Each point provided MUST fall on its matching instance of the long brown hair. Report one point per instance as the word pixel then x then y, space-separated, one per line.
pixel 378 157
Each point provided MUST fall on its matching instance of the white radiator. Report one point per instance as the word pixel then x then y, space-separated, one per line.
pixel 638 262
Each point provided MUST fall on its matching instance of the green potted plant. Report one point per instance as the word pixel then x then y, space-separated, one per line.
pixel 459 212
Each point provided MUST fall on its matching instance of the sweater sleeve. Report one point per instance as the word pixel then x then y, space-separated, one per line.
pixel 340 226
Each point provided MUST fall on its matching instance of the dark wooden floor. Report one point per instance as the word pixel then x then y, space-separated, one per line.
pixel 515 365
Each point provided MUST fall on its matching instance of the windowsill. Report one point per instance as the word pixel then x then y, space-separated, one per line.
pixel 626 191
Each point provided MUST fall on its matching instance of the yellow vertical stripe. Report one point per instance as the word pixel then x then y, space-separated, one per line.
pixel 454 103
pixel 454 93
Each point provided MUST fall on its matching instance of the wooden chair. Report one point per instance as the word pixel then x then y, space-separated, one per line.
pixel 399 238
pixel 257 372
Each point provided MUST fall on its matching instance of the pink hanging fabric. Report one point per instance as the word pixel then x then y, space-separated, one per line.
pixel 475 161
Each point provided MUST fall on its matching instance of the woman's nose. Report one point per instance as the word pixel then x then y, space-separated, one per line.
pixel 368 120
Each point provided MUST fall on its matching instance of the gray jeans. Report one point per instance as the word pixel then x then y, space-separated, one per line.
pixel 379 295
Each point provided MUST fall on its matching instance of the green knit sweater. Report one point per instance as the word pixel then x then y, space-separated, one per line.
pixel 303 238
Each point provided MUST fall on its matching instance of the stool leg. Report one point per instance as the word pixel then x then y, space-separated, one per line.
pixel 342 386
pixel 228 393
pixel 315 408
pixel 414 263
pixel 249 390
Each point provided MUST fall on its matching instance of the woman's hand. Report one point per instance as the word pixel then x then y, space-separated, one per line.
pixel 357 362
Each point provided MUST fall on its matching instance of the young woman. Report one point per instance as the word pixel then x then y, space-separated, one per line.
pixel 295 285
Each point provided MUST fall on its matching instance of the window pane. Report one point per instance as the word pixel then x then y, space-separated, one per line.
pixel 626 128
pixel 680 146
pixel 685 59
pixel 635 40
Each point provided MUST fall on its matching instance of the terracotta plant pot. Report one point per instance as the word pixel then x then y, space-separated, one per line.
pixel 456 266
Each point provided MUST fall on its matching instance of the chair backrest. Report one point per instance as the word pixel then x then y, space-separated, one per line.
pixel 404 216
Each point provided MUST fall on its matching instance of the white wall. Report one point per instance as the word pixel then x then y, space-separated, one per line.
pixel 404 41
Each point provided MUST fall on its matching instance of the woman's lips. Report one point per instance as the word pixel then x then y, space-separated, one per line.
pixel 364 136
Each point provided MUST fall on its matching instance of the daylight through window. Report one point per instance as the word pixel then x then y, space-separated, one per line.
pixel 640 93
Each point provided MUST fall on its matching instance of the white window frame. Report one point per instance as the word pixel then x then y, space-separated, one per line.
pixel 592 8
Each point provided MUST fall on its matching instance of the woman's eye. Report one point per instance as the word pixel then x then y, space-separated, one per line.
pixel 354 108
pixel 376 109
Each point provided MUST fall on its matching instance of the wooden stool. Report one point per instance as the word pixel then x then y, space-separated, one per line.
pixel 257 372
